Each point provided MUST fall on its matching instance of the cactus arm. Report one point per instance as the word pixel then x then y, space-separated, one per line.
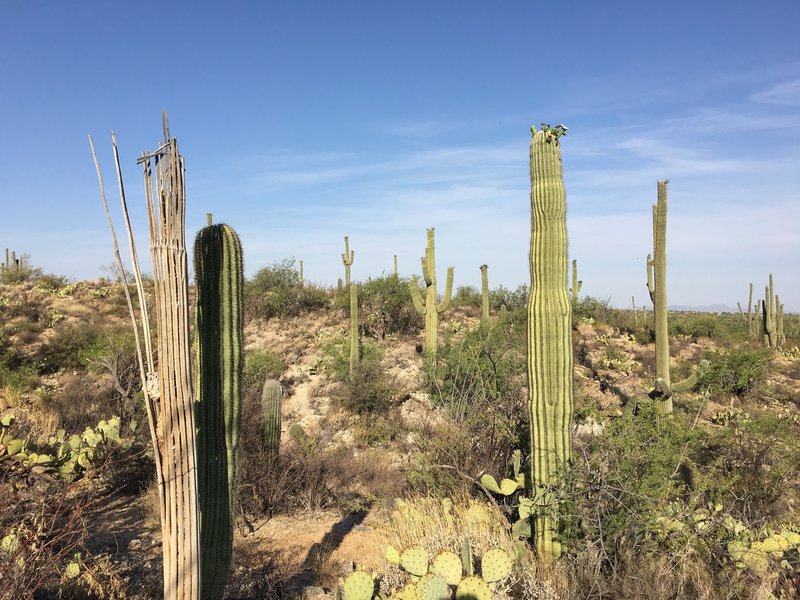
pixel 416 295
pixel 427 277
pixel 448 292
pixel 650 286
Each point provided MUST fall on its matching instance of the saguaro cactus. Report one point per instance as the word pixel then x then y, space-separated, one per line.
pixel 772 317
pixel 485 294
pixel 576 283
pixel 395 265
pixel 657 286
pixel 348 256
pixel 271 400
pixel 220 359
pixel 550 403
pixel 302 278
pixel 432 308
pixel 354 346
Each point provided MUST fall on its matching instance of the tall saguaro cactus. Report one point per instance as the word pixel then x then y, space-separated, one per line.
pixel 220 359
pixel 657 286
pixel 167 392
pixel 354 346
pixel 431 308
pixel 576 283
pixel 484 294
pixel 550 403
pixel 772 317
pixel 348 256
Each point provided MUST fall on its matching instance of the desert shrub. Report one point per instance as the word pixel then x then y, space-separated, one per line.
pixel 467 295
pixel 694 325
pixel 736 371
pixel 69 347
pixel 385 307
pixel 512 299
pixel 275 291
pixel 23 271
pixel 336 355
pixel 752 466
pixel 478 378
pixel 260 365
pixel 16 372
pixel 369 391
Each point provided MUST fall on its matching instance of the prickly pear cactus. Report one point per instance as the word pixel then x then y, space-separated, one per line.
pixel 415 560
pixel 495 565
pixel 359 585
pixel 473 588
pixel 433 587
pixel 448 565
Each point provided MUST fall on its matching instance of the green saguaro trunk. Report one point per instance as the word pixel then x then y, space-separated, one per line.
pixel 432 308
pixel 484 295
pixel 550 404
pixel 220 359
pixel 348 256
pixel 354 345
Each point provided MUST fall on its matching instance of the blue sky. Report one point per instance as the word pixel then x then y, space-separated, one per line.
pixel 302 122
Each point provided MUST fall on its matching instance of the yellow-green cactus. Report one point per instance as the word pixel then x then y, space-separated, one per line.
pixel 431 308
pixel 550 402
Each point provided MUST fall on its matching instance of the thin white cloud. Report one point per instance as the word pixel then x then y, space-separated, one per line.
pixel 787 93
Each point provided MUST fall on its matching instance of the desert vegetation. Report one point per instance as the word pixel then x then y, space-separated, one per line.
pixel 380 439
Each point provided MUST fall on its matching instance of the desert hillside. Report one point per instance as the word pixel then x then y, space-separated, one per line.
pixel 394 455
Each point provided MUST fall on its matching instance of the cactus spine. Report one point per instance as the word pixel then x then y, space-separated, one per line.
pixel 484 294
pixel 354 350
pixel 576 283
pixel 550 403
pixel 432 308
pixel 271 399
pixel 220 281
pixel 348 256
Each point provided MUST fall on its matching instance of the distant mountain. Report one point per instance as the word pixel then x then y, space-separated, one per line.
pixel 711 308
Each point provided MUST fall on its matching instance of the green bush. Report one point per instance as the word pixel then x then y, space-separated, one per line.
pixel 368 392
pixel 735 371
pixel 69 348
pixel 467 295
pixel 512 299
pixel 275 291
pixel 385 307
pixel 260 365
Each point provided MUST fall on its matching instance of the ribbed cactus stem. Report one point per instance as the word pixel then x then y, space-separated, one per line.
pixel 395 265
pixel 576 284
pixel 347 260
pixel 550 403
pixel 209 219
pixel 485 294
pixel 657 286
pixel 220 358
pixel 271 400
pixel 302 279
pixel 431 308
pixel 354 346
